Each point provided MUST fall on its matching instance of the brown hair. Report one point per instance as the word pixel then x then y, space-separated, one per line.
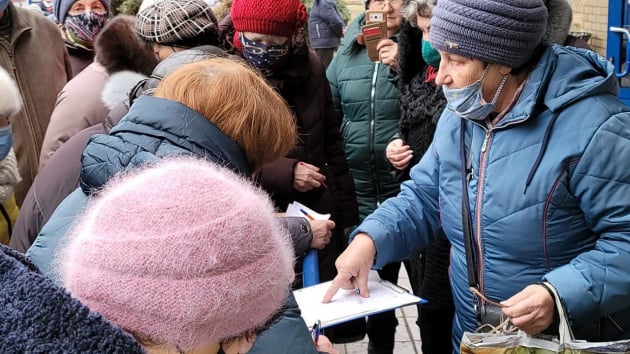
pixel 239 102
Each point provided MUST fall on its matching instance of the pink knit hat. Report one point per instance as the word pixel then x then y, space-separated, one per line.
pixel 184 253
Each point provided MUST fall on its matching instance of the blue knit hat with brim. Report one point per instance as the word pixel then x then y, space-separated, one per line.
pixel 504 32
pixel 61 8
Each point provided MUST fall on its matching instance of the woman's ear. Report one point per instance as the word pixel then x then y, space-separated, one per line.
pixel 246 343
pixel 240 345
pixel 504 70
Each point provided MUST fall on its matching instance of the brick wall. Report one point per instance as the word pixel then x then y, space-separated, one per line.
pixel 592 16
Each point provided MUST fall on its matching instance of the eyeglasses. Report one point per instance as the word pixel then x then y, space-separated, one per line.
pixel 258 48
pixel 391 3
pixel 274 52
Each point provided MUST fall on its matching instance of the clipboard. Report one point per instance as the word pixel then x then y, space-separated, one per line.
pixel 346 305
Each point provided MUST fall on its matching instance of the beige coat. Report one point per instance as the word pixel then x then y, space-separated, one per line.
pixel 34 54
pixel 78 106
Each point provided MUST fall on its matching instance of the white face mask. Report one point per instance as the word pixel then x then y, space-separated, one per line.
pixel 467 102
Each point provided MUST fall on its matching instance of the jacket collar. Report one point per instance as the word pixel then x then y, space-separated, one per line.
pixel 18 24
pixel 182 126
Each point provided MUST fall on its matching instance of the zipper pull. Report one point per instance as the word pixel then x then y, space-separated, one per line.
pixel 469 175
pixel 484 146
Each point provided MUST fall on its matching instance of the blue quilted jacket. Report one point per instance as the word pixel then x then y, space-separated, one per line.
pixel 549 197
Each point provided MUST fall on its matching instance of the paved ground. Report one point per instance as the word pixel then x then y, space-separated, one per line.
pixel 407 333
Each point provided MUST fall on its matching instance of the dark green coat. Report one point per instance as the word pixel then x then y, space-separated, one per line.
pixel 363 92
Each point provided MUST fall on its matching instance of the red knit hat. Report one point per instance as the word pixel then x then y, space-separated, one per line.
pixel 274 17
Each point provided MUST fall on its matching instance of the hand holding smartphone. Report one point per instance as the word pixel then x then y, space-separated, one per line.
pixel 374 31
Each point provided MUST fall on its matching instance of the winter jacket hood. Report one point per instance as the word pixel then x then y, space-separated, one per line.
pixel 560 16
pixel 583 73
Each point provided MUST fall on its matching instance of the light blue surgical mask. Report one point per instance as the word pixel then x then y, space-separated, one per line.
pixel 467 102
pixel 6 141
pixel 4 4
pixel 430 55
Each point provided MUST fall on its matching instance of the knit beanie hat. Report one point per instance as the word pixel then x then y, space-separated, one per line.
pixel 183 252
pixel 38 316
pixel 504 32
pixel 188 23
pixel 10 98
pixel 273 17
pixel 61 8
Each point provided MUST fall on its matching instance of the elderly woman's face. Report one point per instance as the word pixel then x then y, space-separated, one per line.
pixel 424 25
pixel 392 8
pixel 81 6
pixel 456 71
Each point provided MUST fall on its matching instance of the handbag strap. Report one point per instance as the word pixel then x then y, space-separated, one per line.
pixel 564 331
pixel 466 171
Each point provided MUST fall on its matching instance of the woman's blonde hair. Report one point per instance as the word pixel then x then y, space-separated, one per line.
pixel 239 102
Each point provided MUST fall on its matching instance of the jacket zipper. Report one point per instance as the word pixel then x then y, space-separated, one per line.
pixel 485 147
pixel 317 29
pixel 372 133
pixel 478 203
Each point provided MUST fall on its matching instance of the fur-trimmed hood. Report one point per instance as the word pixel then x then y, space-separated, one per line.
pixel 10 98
pixel 119 86
pixel 119 48
pixel 558 21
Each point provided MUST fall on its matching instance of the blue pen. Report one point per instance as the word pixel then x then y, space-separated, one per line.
pixel 307 214
pixel 316 331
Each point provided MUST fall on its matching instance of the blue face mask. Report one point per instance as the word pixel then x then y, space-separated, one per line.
pixel 4 4
pixel 467 102
pixel 261 56
pixel 430 55
pixel 6 141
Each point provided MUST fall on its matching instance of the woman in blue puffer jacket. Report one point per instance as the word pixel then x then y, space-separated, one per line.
pixel 532 148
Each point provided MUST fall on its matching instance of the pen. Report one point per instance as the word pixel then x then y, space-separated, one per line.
pixel 356 286
pixel 316 331
pixel 307 214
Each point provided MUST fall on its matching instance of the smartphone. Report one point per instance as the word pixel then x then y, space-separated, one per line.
pixel 374 31
pixel 375 16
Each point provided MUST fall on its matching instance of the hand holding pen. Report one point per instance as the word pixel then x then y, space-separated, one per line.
pixel 322 344
pixel 307 177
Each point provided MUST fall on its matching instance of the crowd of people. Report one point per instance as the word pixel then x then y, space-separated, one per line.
pixel 146 161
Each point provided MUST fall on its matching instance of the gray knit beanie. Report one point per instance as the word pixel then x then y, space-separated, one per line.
pixel 504 32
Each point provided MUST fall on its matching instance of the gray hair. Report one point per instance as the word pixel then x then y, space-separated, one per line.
pixel 424 8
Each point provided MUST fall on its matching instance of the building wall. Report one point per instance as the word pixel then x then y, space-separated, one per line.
pixel 592 16
pixel 588 16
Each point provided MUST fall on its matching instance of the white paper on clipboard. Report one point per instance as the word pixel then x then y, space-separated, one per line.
pixel 346 305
